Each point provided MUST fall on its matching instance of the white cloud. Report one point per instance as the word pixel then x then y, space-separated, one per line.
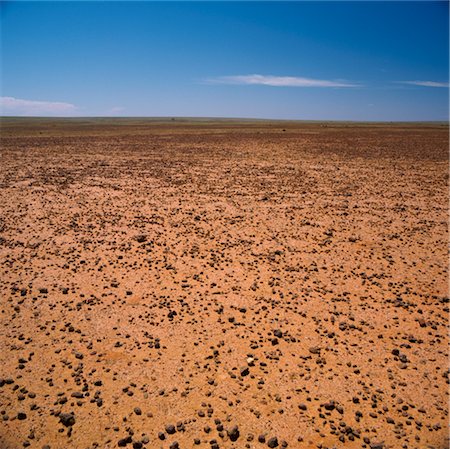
pixel 18 106
pixel 425 83
pixel 115 110
pixel 279 81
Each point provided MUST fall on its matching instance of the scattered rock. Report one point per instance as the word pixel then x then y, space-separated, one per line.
pixel 233 433
pixel 67 419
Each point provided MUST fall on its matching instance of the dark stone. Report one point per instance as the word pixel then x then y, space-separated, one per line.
pixel 170 429
pixel 233 433
pixel 67 419
pixel 245 371
pixel 377 446
pixel 124 441
pixel 273 442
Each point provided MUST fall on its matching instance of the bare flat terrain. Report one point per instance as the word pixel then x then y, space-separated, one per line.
pixel 223 284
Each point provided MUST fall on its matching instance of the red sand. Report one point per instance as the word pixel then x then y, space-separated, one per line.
pixel 288 279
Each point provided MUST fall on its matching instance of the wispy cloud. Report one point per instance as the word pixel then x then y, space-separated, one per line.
pixel 115 110
pixel 18 106
pixel 425 83
pixel 279 81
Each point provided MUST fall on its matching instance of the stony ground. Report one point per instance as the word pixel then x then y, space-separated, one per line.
pixel 221 285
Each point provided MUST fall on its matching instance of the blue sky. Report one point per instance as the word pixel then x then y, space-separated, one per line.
pixel 292 60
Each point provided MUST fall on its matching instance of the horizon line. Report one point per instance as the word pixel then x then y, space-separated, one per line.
pixel 218 118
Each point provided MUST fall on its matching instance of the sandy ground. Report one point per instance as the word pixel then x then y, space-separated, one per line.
pixel 223 285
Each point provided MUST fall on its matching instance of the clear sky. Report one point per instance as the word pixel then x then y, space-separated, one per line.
pixel 294 60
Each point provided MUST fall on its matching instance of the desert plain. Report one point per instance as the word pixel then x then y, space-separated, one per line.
pixel 223 284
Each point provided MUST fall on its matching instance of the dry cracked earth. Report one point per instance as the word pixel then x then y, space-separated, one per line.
pixel 223 285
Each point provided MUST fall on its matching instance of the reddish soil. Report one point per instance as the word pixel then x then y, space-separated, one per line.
pixel 288 279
